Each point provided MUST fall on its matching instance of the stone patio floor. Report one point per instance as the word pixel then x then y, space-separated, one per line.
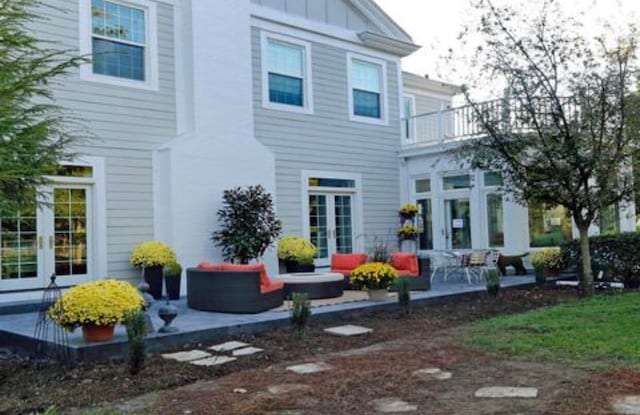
pixel 17 330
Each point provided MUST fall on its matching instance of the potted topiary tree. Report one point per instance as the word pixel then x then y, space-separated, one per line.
pixel 152 256
pixel 248 224
pixel 297 253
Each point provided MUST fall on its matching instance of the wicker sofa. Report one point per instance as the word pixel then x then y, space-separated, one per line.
pixel 230 288
pixel 408 266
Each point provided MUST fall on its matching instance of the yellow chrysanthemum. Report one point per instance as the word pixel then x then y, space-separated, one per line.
pixel 152 253
pixel 373 276
pixel 104 302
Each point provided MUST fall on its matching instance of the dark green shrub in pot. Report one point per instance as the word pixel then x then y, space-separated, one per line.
pixel 248 224
pixel 172 277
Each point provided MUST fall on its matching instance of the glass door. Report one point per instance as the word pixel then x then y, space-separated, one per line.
pixel 53 238
pixel 331 225
pixel 457 223
pixel 21 259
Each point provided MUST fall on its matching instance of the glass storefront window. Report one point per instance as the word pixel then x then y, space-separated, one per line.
pixel 423 186
pixel 548 226
pixel 609 221
pixel 494 220
pixel 462 181
pixel 425 224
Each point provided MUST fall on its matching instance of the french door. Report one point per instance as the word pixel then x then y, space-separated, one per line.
pixel 331 227
pixel 53 238
pixel 457 223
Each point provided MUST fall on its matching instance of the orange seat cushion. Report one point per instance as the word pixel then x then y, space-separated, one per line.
pixel 272 286
pixel 264 278
pixel 210 266
pixel 347 261
pixel 406 264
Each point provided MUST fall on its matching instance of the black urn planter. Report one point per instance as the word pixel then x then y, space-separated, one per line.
pixel 294 267
pixel 172 284
pixel 153 277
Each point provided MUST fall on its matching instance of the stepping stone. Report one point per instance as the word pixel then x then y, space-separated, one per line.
pixel 288 388
pixel 432 373
pixel 393 405
pixel 348 330
pixel 506 392
pixel 186 356
pixel 627 405
pixel 247 351
pixel 309 368
pixel 228 346
pixel 213 361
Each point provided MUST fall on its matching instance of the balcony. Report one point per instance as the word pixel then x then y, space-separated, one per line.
pixel 461 123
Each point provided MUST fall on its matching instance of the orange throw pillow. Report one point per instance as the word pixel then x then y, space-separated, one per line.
pixel 405 262
pixel 347 261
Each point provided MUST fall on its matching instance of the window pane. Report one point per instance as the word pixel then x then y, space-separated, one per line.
pixel 323 182
pixel 286 59
pixel 426 227
pixel 74 171
pixel 118 59
pixel 548 226
pixel 318 224
pixel 423 186
pixel 366 76
pixel 344 231
pixel 408 107
pixel 117 21
pixel 456 182
pixel 493 178
pixel 609 220
pixel 366 104
pixel 286 90
pixel 494 221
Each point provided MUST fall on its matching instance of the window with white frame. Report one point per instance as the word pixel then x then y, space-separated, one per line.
pixel 409 104
pixel 286 73
pixel 118 39
pixel 367 89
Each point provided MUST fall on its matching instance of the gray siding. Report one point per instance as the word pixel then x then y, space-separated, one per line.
pixel 128 123
pixel 426 104
pixel 327 140
pixel 334 12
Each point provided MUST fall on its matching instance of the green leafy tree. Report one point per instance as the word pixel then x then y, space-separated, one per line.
pixel 248 224
pixel 562 134
pixel 35 133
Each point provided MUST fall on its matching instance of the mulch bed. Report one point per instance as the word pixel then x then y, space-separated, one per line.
pixel 25 389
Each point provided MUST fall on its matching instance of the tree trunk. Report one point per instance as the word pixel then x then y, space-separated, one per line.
pixel 585 253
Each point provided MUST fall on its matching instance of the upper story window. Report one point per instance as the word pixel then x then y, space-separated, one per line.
pixel 408 111
pixel 286 73
pixel 456 182
pixel 121 38
pixel 367 91
pixel 118 40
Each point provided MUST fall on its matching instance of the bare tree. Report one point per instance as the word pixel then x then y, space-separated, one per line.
pixel 562 133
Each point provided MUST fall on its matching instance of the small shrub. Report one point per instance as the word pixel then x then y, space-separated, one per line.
pixel 136 331
pixel 493 283
pixel 172 269
pixel 549 258
pixel 300 313
pixel 404 295
pixel 616 255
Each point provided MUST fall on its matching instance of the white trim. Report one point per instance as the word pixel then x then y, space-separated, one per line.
pixel 412 122
pixel 307 30
pixel 428 94
pixel 356 192
pixel 384 99
pixel 151 81
pixel 307 108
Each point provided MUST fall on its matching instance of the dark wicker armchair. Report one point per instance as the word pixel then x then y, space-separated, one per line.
pixel 230 292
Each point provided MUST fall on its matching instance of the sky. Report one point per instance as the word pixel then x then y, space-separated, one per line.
pixel 435 25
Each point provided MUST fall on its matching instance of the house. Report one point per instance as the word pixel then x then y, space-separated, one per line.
pixel 187 98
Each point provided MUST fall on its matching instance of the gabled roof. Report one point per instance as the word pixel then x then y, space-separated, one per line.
pixel 378 17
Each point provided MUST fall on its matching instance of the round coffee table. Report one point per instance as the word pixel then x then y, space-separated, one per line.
pixel 315 285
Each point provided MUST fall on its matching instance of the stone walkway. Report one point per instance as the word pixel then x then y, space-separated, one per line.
pixel 202 358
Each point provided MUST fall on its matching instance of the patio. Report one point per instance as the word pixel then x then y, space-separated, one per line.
pixel 17 330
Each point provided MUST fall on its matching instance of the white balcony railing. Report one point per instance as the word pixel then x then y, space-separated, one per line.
pixel 460 123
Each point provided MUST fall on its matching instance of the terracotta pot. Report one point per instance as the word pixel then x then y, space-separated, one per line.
pixel 153 277
pixel 93 333
pixel 377 295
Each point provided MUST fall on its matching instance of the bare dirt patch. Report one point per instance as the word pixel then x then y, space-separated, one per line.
pixel 25 389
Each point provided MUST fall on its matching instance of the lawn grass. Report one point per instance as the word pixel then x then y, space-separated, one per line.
pixel 600 332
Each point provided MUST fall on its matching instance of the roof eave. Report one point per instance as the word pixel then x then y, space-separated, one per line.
pixel 387 44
